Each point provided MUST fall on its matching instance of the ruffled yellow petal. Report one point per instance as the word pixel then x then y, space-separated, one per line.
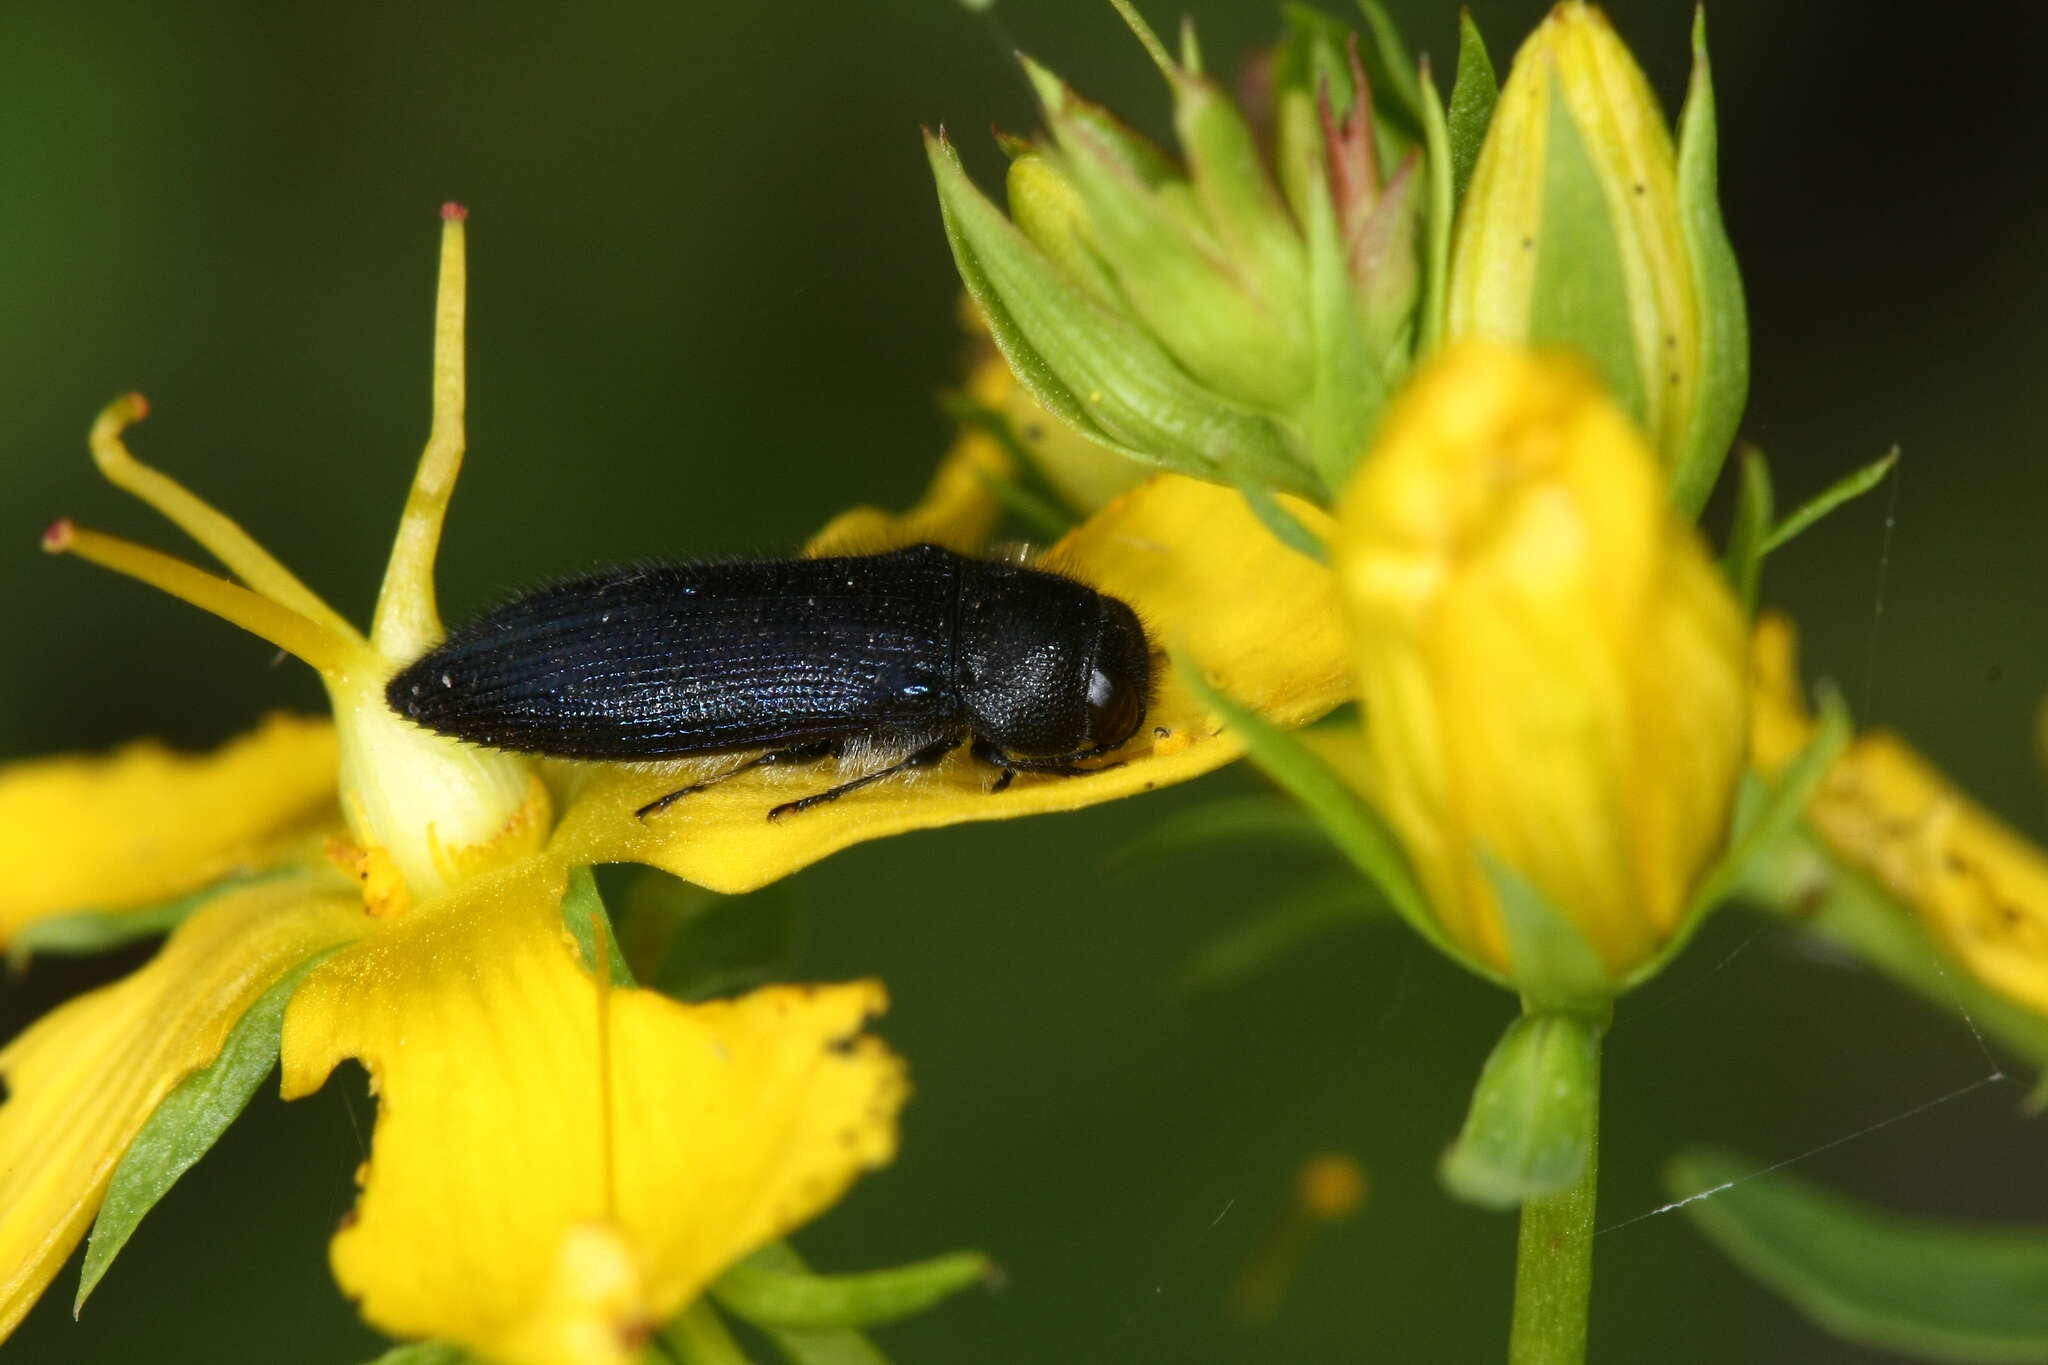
pixel 1206 578
pixel 558 1166
pixel 144 824
pixel 1882 809
pixel 959 509
pixel 83 1079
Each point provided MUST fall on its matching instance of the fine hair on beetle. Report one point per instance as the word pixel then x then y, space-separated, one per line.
pixel 895 658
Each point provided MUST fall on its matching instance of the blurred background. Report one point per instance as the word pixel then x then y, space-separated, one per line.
pixel 711 305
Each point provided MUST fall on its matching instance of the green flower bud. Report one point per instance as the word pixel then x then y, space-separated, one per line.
pixel 1583 225
pixel 1240 315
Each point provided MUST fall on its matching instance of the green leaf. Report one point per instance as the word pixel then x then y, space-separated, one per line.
pixel 1766 817
pixel 1436 250
pixel 771 1297
pixel 1284 525
pixel 1555 967
pixel 98 931
pixel 812 1346
pixel 1529 1130
pixel 1091 368
pixel 583 911
pixel 1581 290
pixel 1842 490
pixel 1925 1287
pixel 426 1353
pixel 1353 826
pixel 1717 281
pixel 1199 829
pixel 187 1124
pixel 695 944
pixel 1474 92
pixel 1271 931
pixel 1749 538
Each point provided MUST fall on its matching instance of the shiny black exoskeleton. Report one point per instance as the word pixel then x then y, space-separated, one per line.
pixel 917 651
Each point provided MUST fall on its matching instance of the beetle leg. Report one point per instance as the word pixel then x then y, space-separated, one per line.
pixel 1012 765
pixel 919 758
pixel 796 753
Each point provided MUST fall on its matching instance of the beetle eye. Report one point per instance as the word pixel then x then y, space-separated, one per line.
pixel 1113 709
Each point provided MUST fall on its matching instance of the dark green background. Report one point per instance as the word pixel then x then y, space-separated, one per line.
pixel 711 305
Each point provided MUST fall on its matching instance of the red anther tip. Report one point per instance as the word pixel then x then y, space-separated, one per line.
pixel 57 538
pixel 452 212
pixel 139 405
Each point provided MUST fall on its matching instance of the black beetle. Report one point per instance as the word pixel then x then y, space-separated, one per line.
pixel 916 651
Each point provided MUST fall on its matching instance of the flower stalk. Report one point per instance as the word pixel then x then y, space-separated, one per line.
pixel 1554 1259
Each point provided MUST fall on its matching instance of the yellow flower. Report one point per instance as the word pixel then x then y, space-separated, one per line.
pixel 1882 809
pixel 558 1164
pixel 1551 668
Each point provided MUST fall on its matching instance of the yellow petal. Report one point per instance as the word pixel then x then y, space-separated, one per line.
pixel 144 824
pixel 1206 578
pixel 959 510
pixel 558 1166
pixel 1882 809
pixel 83 1079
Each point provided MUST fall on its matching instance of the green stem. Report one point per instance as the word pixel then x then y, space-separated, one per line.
pixel 700 1337
pixel 1554 1266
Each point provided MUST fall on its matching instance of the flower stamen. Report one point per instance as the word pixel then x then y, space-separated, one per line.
pixel 214 530
pixel 408 620
pixel 332 653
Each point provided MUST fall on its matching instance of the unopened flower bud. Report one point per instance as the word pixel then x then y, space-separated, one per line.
pixel 1585 226
pixel 1551 667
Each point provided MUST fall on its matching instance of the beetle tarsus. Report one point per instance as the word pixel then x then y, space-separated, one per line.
pixel 796 753
pixel 919 758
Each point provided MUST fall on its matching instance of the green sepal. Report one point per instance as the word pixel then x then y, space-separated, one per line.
pixel 1925 1287
pixel 1580 297
pixel 1137 155
pixel 1089 367
pixel 1347 388
pixel 1749 536
pixel 1766 815
pixel 426 1353
pixel 1717 283
pixel 805 1345
pixel 1845 489
pixel 1283 524
pixel 589 923
pixel 1242 205
pixel 1199 829
pixel 1474 92
pixel 1392 72
pixel 187 1123
pixel 691 944
pixel 770 1297
pixel 1238 330
pixel 1553 964
pixel 99 931
pixel 1437 213
pixel 1529 1129
pixel 1352 825
pixel 1272 930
